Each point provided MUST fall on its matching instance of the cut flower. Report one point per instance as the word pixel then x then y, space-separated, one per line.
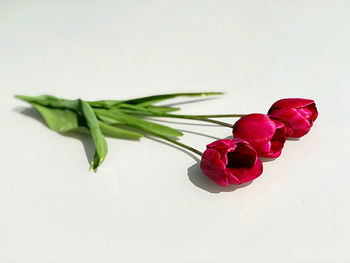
pixel 231 162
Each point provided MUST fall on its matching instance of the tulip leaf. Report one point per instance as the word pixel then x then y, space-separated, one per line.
pixel 149 100
pixel 82 129
pixel 58 120
pixel 51 102
pixel 112 118
pixel 116 116
pixel 117 132
pixel 96 133
pixel 149 109
pixel 138 108
pixel 161 109
pixel 107 104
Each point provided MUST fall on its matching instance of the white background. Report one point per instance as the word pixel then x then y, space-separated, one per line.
pixel 149 202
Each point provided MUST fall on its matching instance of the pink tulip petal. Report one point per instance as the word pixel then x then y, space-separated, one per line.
pixel 279 138
pixel 236 176
pixel 306 113
pixel 213 167
pixel 265 148
pixel 293 119
pixel 230 162
pixel 223 146
pixel 314 112
pixel 297 115
pixel 271 154
pixel 233 177
pixel 291 103
pixel 255 128
pixel 224 143
pixel 242 156
pixel 248 175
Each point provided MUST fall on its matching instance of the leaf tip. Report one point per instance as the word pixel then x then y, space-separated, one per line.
pixel 21 97
pixel 180 133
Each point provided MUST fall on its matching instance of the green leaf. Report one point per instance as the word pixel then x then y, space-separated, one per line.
pixel 149 109
pixel 58 120
pixel 146 101
pixel 116 116
pixel 161 109
pixel 96 133
pixel 107 104
pixel 117 132
pixel 82 129
pixel 51 102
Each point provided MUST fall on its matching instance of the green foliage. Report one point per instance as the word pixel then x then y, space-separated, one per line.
pixel 96 133
pixel 116 116
pixel 59 120
pixel 110 118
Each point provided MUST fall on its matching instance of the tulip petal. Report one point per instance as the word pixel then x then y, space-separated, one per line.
pixel 278 139
pixel 223 146
pixel 292 119
pixel 314 112
pixel 241 157
pixel 240 162
pixel 266 148
pixel 230 162
pixel 306 113
pixel 244 175
pixel 257 129
pixel 256 171
pixel 292 103
pixel 296 126
pixel 213 167
pixel 224 143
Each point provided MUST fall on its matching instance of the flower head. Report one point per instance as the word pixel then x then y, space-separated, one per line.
pixel 297 115
pixel 231 162
pixel 266 135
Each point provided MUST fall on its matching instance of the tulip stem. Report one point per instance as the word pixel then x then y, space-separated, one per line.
pixel 190 117
pixel 179 144
pixel 219 116
pixel 179 116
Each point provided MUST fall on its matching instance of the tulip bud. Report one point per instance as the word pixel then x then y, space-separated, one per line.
pixel 266 135
pixel 231 162
pixel 297 115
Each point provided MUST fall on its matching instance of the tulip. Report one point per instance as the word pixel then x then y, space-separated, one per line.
pixel 266 135
pixel 231 162
pixel 297 115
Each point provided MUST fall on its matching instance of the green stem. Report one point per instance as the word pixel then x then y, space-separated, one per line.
pixel 167 115
pixel 179 144
pixel 190 117
pixel 220 116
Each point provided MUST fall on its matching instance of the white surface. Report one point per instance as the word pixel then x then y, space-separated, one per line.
pixel 148 202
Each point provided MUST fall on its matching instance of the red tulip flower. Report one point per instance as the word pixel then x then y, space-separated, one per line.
pixel 266 135
pixel 231 162
pixel 297 115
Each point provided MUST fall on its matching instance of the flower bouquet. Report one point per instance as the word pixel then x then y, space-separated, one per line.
pixel 225 161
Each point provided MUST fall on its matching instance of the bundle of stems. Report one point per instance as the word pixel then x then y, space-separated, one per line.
pixel 123 119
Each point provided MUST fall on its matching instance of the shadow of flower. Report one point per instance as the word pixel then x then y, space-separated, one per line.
pixel 293 139
pixel 196 177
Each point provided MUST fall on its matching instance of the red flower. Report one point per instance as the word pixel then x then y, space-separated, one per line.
pixel 231 162
pixel 266 135
pixel 297 115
